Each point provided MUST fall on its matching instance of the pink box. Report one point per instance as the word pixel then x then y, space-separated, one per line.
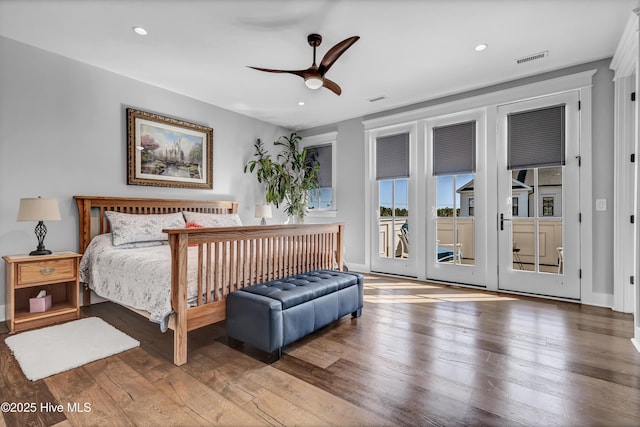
pixel 38 305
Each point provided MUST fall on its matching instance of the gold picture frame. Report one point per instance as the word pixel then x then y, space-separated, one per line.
pixel 167 152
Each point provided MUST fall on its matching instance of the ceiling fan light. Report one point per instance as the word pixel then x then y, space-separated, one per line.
pixel 313 82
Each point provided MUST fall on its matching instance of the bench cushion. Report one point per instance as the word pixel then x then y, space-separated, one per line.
pixel 295 290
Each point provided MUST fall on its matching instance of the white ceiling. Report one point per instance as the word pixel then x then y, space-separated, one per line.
pixel 410 50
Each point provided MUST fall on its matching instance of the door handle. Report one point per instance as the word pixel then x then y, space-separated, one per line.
pixel 502 220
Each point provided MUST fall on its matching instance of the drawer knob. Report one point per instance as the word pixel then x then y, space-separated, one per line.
pixel 47 270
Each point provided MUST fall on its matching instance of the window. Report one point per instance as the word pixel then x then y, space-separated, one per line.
pixel 514 206
pixel 547 205
pixel 454 165
pixel 321 150
pixel 536 145
pixel 392 174
pixel 322 198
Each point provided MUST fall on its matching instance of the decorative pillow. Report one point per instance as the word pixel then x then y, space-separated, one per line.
pixel 138 245
pixel 132 228
pixel 107 239
pixel 212 220
pixel 193 225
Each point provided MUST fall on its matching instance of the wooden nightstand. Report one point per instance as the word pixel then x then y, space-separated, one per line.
pixel 26 275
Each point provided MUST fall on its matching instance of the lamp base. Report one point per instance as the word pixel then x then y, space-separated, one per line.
pixel 41 231
pixel 40 252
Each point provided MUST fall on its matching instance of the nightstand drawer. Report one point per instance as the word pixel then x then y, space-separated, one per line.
pixel 46 271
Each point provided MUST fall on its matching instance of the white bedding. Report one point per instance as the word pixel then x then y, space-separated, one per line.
pixel 139 277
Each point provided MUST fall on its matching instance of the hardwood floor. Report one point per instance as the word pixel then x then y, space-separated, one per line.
pixel 421 354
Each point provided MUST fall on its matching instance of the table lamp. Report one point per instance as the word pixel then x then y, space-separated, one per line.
pixel 263 211
pixel 39 209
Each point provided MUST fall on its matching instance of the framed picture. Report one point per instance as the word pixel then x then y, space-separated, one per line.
pixel 166 152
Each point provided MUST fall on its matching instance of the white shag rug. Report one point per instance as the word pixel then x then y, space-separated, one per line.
pixel 47 351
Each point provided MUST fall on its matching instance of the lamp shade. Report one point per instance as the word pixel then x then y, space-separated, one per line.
pixel 38 209
pixel 263 211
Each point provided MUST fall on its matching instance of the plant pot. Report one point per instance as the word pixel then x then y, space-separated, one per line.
pixel 293 219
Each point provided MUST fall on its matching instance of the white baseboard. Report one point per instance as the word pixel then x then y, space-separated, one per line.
pixel 597 299
pixel 636 341
pixel 95 299
pixel 358 268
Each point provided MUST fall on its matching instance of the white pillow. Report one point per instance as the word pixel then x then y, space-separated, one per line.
pixel 108 240
pixel 212 220
pixel 132 228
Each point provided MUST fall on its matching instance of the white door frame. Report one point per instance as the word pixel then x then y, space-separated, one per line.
pixel 626 65
pixel 399 266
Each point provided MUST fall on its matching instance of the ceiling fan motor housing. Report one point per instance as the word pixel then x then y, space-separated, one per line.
pixel 314 40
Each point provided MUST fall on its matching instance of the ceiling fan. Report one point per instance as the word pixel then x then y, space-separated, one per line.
pixel 314 76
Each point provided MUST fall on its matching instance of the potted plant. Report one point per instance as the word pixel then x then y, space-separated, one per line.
pixel 288 178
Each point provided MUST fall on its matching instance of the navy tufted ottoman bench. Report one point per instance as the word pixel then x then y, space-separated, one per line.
pixel 273 314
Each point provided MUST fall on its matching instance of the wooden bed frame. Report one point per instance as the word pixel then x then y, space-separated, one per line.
pixel 240 256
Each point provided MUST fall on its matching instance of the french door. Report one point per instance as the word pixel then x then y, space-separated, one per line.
pixel 455 191
pixel 393 195
pixel 538 196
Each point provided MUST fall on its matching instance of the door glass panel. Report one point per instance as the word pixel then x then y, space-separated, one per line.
pixel 393 222
pixel 445 206
pixel 550 224
pixel 455 226
pixel 537 223
pixel 523 226
pixel 465 223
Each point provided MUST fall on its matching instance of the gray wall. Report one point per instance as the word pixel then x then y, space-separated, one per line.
pixel 62 133
pixel 351 187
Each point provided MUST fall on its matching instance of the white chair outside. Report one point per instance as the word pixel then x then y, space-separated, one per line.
pixel 560 259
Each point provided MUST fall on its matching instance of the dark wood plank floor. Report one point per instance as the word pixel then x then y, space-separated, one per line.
pixel 421 354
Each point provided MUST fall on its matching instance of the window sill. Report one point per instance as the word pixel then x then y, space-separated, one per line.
pixel 322 213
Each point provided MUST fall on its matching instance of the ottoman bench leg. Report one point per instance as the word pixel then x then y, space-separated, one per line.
pixel 274 355
pixel 234 343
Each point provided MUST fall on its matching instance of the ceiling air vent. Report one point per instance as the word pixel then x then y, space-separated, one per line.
pixel 378 98
pixel 533 57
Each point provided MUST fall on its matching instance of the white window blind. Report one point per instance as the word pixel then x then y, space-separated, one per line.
pixel 454 149
pixel 392 157
pixel 536 138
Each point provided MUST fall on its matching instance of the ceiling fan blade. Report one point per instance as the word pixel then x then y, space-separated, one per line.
pixel 331 85
pixel 335 52
pixel 301 73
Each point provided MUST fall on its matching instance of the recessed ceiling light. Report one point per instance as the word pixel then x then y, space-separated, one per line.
pixel 301 103
pixel 139 30
pixel 481 47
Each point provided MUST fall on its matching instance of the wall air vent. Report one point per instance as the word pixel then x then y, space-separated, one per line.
pixel 533 57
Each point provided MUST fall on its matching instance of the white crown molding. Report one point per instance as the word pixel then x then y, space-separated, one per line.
pixel 504 96
pixel 625 57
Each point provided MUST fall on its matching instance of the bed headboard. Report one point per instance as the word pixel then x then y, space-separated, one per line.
pixel 91 224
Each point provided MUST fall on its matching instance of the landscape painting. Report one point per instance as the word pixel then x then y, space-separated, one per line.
pixel 168 152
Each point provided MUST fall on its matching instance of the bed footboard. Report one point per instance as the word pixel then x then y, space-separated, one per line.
pixel 231 258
